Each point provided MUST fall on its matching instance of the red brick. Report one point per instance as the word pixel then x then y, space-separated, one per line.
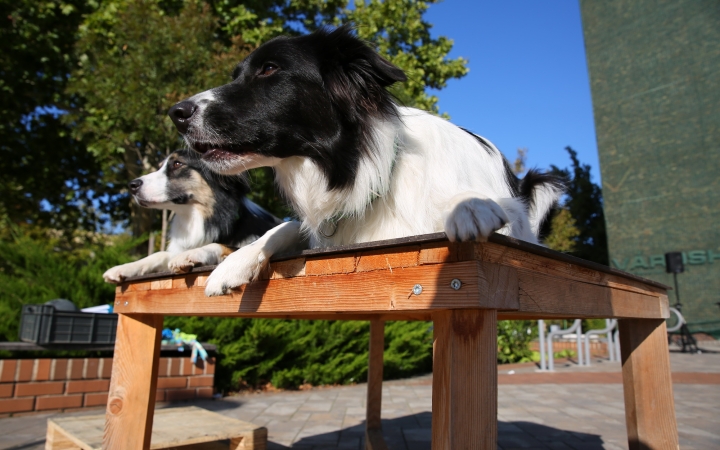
pixel 96 399
pixel 25 370
pixel 199 367
pixel 106 371
pixel 42 388
pixel 174 368
pixel 13 405
pixel 210 366
pixel 163 369
pixel 91 369
pixel 76 368
pixel 6 390
pixel 59 402
pixel 205 392
pixel 42 370
pixel 160 395
pixel 7 370
pixel 59 370
pixel 201 381
pixel 74 387
pixel 172 382
pixel 187 366
pixel 172 395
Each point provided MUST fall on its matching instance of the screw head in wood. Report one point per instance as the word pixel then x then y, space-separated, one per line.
pixel 456 284
pixel 417 289
pixel 126 303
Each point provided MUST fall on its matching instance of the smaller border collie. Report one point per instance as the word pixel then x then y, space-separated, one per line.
pixel 212 219
pixel 354 165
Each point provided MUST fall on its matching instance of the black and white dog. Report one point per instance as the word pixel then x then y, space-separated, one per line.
pixel 355 166
pixel 212 216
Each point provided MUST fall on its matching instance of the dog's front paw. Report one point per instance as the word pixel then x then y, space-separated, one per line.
pixel 185 261
pixel 118 274
pixel 241 267
pixel 474 219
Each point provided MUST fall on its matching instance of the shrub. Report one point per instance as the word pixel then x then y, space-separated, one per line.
pixel 36 268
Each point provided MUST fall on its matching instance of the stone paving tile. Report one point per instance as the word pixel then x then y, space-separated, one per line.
pixel 532 416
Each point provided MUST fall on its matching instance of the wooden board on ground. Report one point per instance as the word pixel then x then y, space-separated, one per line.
pixel 172 427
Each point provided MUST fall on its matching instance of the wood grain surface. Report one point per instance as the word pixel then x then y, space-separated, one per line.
pixel 131 400
pixel 647 385
pixel 464 390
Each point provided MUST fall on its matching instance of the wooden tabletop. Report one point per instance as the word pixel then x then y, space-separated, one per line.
pixel 381 279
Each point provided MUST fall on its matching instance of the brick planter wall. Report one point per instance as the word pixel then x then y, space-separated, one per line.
pixel 70 383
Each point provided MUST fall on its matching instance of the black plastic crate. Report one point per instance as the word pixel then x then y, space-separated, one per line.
pixel 44 325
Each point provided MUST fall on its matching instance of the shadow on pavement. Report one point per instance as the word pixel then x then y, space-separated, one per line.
pixel 413 433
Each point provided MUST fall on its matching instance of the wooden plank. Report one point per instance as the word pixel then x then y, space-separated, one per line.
pixel 284 269
pixel 375 375
pixel 464 391
pixel 483 286
pixel 496 242
pixel 329 265
pixel 647 385
pixel 374 440
pixel 556 264
pixel 545 294
pixel 57 439
pixel 207 427
pixel 373 427
pixel 131 400
pixel 388 259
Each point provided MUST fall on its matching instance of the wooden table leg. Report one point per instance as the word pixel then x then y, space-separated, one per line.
pixel 647 385
pixel 373 428
pixel 464 391
pixel 131 401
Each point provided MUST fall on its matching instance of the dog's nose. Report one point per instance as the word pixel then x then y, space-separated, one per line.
pixel 181 114
pixel 134 185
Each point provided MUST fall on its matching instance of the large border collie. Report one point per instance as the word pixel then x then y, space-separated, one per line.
pixel 354 166
pixel 212 216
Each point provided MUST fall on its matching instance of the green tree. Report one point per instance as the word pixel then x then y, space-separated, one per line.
pixel 46 177
pixel 135 60
pixel 584 203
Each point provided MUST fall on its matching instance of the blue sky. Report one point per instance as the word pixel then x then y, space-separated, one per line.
pixel 528 84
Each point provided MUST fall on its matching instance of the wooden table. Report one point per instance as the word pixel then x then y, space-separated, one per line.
pixel 189 428
pixel 462 288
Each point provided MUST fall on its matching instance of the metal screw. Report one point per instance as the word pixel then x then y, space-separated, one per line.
pixel 456 284
pixel 126 303
pixel 417 289
pixel 117 303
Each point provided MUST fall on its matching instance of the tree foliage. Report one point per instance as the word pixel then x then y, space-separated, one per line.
pixel 136 59
pixel 584 204
pixel 40 265
pixel 46 177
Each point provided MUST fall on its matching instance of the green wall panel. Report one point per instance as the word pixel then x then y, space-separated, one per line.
pixel 655 80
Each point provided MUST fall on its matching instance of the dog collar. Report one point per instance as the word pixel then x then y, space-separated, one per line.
pixel 328 227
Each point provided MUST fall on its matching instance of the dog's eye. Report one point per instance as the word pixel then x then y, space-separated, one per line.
pixel 177 164
pixel 268 69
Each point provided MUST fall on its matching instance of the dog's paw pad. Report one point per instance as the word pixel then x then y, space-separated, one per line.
pixel 474 219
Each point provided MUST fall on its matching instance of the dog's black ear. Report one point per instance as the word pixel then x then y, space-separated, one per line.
pixel 355 74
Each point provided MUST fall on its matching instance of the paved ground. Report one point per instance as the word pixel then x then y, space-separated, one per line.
pixel 548 411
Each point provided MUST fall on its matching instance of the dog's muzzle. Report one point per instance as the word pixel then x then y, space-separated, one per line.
pixel 181 114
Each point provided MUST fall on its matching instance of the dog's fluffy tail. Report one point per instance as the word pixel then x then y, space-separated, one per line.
pixel 541 192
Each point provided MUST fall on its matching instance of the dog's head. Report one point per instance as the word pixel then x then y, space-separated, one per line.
pixel 180 183
pixel 314 96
